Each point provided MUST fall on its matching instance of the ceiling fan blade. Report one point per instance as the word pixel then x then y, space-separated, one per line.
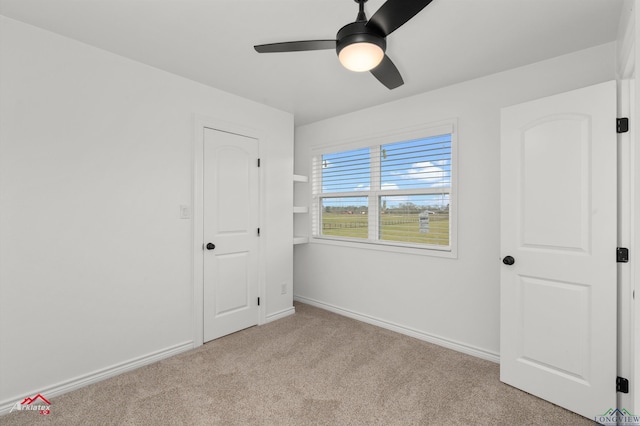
pixel 394 13
pixel 295 46
pixel 388 74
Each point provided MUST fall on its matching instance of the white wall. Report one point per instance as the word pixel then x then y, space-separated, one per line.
pixel 452 301
pixel 95 159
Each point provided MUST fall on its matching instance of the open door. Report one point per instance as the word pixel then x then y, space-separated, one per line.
pixel 558 243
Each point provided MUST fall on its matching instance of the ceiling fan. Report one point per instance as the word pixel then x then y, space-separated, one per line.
pixel 361 44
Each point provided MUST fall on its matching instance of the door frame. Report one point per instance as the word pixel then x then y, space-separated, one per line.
pixel 200 124
pixel 626 311
pixel 628 208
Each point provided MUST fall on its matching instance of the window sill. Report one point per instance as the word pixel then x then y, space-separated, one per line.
pixel 367 245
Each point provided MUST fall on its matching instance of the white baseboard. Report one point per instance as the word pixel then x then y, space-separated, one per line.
pixel 440 341
pixel 96 376
pixel 280 314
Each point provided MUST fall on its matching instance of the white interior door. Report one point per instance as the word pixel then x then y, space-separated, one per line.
pixel 558 223
pixel 230 233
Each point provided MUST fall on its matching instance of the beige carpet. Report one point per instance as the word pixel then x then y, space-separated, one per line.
pixel 312 368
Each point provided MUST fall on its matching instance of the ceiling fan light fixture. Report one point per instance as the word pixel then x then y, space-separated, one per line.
pixel 360 57
pixel 359 48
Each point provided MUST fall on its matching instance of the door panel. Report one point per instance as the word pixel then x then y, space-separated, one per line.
pixel 231 201
pixel 555 154
pixel 232 289
pixel 567 335
pixel 558 220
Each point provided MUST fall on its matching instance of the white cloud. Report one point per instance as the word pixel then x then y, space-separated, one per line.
pixel 429 172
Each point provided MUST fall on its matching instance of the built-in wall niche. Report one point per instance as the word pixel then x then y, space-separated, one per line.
pixel 297 209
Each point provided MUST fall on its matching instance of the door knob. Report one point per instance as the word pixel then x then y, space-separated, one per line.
pixel 210 246
pixel 508 260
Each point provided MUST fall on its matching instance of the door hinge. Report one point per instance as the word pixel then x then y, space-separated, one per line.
pixel 258 232
pixel 258 301
pixel 622 255
pixel 258 162
pixel 622 125
pixel 622 385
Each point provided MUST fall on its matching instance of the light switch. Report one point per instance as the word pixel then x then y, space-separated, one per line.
pixel 184 211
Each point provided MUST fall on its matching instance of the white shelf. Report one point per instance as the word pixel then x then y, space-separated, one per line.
pixel 300 240
pixel 300 209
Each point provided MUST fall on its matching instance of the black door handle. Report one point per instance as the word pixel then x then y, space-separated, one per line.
pixel 210 246
pixel 508 260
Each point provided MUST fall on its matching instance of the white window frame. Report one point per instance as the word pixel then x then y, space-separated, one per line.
pixel 374 142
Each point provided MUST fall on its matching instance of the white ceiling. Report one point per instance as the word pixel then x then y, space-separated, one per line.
pixel 211 41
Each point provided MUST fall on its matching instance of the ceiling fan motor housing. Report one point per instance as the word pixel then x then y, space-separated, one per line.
pixel 358 32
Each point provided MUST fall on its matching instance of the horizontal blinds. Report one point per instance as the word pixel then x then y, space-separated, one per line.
pixel 403 187
pixel 421 163
pixel 346 171
pixel 415 164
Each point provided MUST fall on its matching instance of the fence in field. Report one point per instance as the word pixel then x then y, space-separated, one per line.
pixel 342 225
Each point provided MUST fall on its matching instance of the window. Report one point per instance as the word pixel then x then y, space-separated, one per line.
pixel 390 194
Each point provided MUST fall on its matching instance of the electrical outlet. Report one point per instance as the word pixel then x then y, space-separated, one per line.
pixel 283 288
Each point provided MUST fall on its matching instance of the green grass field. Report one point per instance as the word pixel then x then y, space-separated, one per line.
pixel 402 228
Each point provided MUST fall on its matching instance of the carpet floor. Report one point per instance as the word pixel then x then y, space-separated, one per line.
pixel 311 368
